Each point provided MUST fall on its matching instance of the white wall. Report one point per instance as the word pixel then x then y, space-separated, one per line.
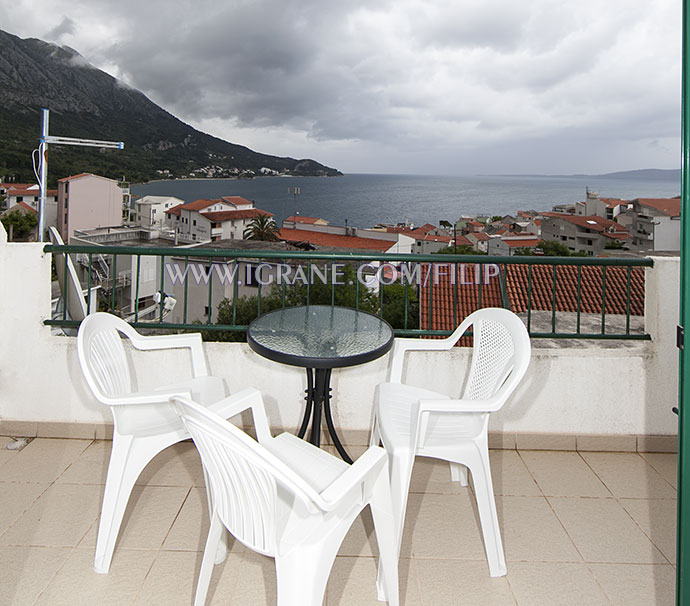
pixel 583 390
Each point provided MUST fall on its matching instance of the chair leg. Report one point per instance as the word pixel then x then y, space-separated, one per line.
pixel 458 473
pixel 213 541
pixel 400 462
pixel 222 551
pixel 478 462
pixel 302 575
pixel 128 458
pixel 387 585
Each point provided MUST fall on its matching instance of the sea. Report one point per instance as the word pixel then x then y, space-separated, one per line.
pixel 365 200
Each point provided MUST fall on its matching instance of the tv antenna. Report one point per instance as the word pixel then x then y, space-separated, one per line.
pixel 43 163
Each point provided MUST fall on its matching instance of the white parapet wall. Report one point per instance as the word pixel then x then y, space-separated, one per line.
pixel 587 389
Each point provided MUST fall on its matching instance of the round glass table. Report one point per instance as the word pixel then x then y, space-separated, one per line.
pixel 320 338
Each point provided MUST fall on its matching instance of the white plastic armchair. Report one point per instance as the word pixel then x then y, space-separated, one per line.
pixel 285 498
pixel 144 422
pixel 411 421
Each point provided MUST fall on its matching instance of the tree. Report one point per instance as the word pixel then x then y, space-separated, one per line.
pixel 554 248
pixel 463 249
pixel 261 227
pixel 22 223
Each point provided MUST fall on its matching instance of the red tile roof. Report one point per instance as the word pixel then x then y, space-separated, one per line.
pixel 236 200
pixel 79 176
pixel 453 302
pixel 235 215
pixel 592 222
pixel 27 207
pixel 520 242
pixel 668 206
pixel 337 241
pixel 301 219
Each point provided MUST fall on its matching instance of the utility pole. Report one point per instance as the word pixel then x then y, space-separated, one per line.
pixel 43 163
pixel 295 192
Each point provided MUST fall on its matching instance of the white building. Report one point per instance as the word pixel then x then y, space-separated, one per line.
pixel 150 211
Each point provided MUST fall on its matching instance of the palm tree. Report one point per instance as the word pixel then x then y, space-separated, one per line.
pixel 261 227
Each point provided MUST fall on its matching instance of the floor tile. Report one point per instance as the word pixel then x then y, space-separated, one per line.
pixel 531 531
pixel 628 475
pixel 657 519
pixel 26 571
pixel 637 585
pixel 60 517
pixel 173 577
pixel 76 584
pixel 91 467
pixel 442 524
pixel 150 515
pixel 433 476
pixel 361 539
pixel 255 583
pixel 190 528
pixel 42 460
pixel 604 532
pixel 177 465
pixel 15 499
pixel 665 463
pixel 462 584
pixel 353 581
pixel 511 476
pixel 554 584
pixel 563 474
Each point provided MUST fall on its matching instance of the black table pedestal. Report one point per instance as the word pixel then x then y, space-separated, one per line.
pixel 318 400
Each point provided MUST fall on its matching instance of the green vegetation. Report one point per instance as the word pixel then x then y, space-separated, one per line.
pixel 549 248
pixel 463 249
pixel 19 223
pixel 261 227
pixel 615 245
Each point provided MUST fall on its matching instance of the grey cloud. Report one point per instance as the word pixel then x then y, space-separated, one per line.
pixel 65 27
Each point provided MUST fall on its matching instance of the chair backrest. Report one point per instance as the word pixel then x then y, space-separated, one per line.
pixel 244 478
pixel 102 355
pixel 500 353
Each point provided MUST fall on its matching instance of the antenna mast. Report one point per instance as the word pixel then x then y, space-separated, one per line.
pixel 43 162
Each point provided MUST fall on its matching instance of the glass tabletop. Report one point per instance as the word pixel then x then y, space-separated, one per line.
pixel 320 336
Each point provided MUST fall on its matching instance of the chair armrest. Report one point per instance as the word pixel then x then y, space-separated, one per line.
pixel 192 341
pixel 145 397
pixel 247 399
pixel 460 406
pixel 374 458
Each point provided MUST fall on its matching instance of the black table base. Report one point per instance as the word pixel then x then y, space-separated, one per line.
pixel 319 404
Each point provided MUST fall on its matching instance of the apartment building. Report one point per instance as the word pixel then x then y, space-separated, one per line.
pixel 87 201
pixel 588 233
pixel 655 224
pixel 150 211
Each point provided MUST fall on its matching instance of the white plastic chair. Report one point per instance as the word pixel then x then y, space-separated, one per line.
pixel 144 422
pixel 285 498
pixel 411 421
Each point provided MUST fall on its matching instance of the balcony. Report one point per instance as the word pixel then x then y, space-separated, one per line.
pixel 581 526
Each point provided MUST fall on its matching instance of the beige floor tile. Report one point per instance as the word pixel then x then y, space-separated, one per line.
pixel 433 476
pixel 657 519
pixel 511 476
pixel 91 467
pixel 26 571
pixel 554 584
pixel 665 463
pixel 361 539
pixel 76 584
pixel 637 585
pixel 445 582
pixel 628 475
pixel 42 460
pixel 6 455
pixel 563 474
pixel 256 580
pixel 531 531
pixel 15 499
pixel 177 465
pixel 190 528
pixel 60 517
pixel 173 577
pixel 150 514
pixel 442 525
pixel 604 532
pixel 353 581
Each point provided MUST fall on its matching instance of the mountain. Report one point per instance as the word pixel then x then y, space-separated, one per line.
pixel 644 174
pixel 86 102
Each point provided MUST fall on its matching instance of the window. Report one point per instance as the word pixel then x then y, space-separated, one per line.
pixel 207 310
pixel 194 222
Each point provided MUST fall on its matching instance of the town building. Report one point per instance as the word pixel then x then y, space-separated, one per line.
pixel 655 224
pixel 583 233
pixel 30 195
pixel 149 211
pixel 87 201
pixel 510 245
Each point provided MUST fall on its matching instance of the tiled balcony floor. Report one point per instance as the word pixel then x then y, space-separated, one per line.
pixel 578 528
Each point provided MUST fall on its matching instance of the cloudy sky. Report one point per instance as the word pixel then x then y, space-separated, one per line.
pixel 401 86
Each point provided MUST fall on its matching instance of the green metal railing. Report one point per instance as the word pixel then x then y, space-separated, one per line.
pixel 412 289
